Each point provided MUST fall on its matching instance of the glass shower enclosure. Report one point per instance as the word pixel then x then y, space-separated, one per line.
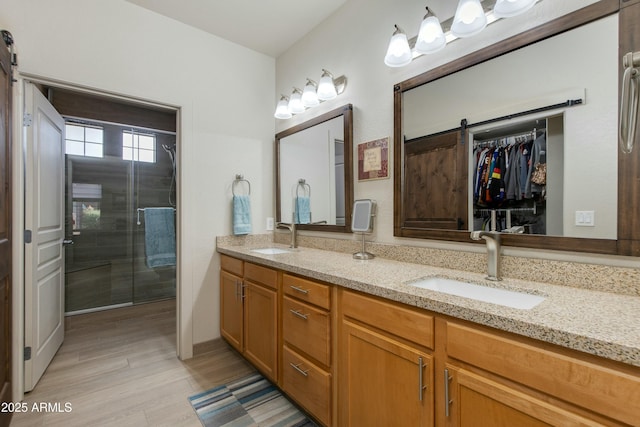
pixel 114 174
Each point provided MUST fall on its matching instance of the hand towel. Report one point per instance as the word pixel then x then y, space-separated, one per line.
pixel 303 210
pixel 241 215
pixel 159 237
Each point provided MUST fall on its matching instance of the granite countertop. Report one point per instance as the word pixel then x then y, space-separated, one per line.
pixel 599 323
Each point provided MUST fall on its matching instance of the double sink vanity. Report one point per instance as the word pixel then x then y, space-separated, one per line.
pixel 381 341
pixel 395 340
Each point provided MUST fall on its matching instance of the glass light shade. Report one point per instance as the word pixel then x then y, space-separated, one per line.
pixel 295 102
pixel 326 87
pixel 282 109
pixel 509 8
pixel 430 38
pixel 469 19
pixel 309 94
pixel 398 52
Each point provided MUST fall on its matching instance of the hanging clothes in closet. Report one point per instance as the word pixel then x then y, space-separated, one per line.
pixel 504 169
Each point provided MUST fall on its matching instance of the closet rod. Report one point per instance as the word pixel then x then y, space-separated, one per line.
pixel 464 125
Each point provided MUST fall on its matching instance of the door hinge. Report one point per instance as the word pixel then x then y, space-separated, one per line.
pixel 27 236
pixel 27 353
pixel 27 119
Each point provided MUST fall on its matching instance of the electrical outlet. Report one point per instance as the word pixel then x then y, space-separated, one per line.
pixel 585 218
pixel 269 224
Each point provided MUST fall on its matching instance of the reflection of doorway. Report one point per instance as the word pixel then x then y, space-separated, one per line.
pixel 108 189
pixel 340 196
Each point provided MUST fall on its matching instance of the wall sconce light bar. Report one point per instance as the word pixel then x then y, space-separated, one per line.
pixel 313 94
pixel 493 11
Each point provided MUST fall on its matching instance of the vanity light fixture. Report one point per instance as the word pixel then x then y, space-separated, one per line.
pixel 295 102
pixel 310 94
pixel 509 8
pixel 471 17
pixel 327 87
pixel 398 52
pixel 431 37
pixel 313 93
pixel 282 109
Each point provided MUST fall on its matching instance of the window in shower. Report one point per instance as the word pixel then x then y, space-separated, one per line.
pixel 139 147
pixel 86 199
pixel 83 140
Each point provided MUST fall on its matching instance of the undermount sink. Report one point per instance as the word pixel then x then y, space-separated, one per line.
pixel 502 297
pixel 271 251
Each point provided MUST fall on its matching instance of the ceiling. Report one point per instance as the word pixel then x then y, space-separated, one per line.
pixel 266 26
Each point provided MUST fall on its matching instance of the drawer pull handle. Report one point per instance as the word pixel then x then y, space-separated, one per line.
pixel 300 315
pixel 421 386
pixel 302 291
pixel 297 368
pixel 447 400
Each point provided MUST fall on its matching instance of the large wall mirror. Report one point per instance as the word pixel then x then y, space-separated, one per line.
pixel 314 177
pixel 552 91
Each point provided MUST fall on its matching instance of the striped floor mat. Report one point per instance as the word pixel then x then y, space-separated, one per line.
pixel 248 401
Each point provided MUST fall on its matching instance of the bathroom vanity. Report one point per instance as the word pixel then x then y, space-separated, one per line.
pixel 357 344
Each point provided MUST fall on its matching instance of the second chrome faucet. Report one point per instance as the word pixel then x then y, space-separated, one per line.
pixel 492 239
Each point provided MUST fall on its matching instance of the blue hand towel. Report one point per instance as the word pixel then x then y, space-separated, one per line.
pixel 241 215
pixel 159 237
pixel 303 210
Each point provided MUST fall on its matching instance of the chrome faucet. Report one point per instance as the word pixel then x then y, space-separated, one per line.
pixel 292 228
pixel 493 252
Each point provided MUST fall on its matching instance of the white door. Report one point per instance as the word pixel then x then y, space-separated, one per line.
pixel 44 221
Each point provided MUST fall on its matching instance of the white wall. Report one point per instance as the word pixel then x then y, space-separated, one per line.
pixel 224 93
pixel 353 41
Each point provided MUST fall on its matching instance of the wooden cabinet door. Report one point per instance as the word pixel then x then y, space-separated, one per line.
pixel 260 328
pixel 383 382
pixel 231 309
pixel 477 401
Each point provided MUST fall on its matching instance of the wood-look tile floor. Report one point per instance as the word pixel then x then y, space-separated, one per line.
pixel 119 368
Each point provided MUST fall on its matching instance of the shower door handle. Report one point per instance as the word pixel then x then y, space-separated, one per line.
pixel 67 242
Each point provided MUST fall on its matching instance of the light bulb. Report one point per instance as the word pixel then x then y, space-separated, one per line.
pixel 430 38
pixel 509 8
pixel 295 102
pixel 309 94
pixel 398 52
pixel 469 19
pixel 326 87
pixel 282 109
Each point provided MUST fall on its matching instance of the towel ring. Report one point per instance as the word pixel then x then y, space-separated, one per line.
pixel 239 179
pixel 306 188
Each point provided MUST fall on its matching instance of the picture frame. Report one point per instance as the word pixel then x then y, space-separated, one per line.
pixel 373 159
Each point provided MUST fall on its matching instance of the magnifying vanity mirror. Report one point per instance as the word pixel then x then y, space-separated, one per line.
pixel 314 177
pixel 539 84
pixel 363 214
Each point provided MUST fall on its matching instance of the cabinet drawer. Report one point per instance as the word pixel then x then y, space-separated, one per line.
pixel 400 320
pixel 307 328
pixel 604 390
pixel 259 274
pixel 306 290
pixel 232 265
pixel 307 384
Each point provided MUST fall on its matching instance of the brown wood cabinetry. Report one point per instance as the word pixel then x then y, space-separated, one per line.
pixel 514 381
pixel 386 365
pixel 249 312
pixel 393 364
pixel 306 335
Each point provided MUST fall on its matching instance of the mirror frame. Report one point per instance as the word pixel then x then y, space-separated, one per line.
pixel 628 239
pixel 346 111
